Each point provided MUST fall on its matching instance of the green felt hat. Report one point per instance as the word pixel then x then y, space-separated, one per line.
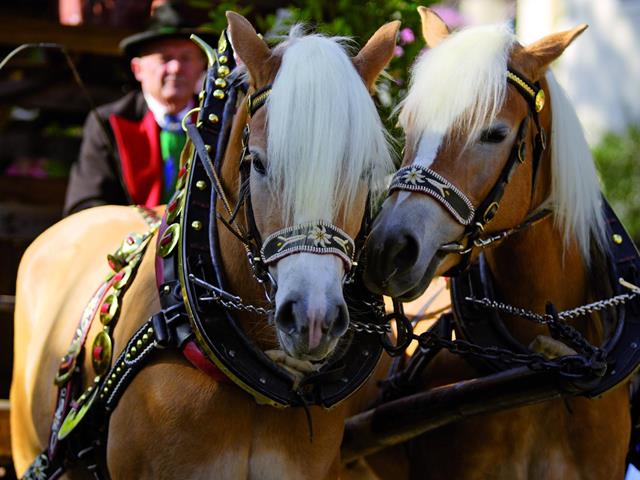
pixel 169 20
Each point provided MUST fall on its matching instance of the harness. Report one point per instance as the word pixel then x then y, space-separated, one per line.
pixel 196 316
pixel 481 334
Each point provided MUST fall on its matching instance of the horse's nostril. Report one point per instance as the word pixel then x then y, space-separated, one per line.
pixel 341 321
pixel 285 319
pixel 404 254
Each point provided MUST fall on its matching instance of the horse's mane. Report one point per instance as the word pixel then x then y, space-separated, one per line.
pixel 325 137
pixel 458 84
pixel 461 84
pixel 575 190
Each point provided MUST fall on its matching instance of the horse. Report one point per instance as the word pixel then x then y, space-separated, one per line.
pixel 482 184
pixel 312 146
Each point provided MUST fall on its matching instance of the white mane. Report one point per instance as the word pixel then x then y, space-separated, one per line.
pixel 575 189
pixel 325 137
pixel 462 84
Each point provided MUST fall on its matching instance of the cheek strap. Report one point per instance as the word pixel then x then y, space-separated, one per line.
pixel 313 237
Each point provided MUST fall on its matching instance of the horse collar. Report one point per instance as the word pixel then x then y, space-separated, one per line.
pixel 487 329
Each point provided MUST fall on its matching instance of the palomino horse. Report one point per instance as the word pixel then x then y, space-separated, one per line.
pixel 473 118
pixel 316 147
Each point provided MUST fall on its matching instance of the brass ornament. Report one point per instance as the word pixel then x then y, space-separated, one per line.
pixel 220 82
pixel 201 185
pixel 109 308
pixel 617 239
pixel 77 412
pixel 219 94
pixel 196 225
pixel 223 59
pixel 222 43
pixel 223 71
pixel 101 353
pixel 540 99
pixel 169 240
pixel 213 118
pixel 174 208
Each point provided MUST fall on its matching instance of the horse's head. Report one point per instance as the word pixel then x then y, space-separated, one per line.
pixel 475 160
pixel 315 149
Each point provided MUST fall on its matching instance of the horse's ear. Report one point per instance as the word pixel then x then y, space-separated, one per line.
pixel 251 49
pixel 540 54
pixel 378 51
pixel 434 30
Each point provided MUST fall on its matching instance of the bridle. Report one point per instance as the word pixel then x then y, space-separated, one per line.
pixel 416 178
pixel 319 237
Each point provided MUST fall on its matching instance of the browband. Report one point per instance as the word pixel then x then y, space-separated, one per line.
pixel 313 237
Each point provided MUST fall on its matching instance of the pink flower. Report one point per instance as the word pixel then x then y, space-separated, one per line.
pixel 398 51
pixel 407 36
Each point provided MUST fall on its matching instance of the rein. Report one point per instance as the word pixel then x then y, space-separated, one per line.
pixel 416 178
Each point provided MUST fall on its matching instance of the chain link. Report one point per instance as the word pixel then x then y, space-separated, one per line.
pixel 545 318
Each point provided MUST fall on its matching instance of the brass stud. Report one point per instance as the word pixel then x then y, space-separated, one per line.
pixel 118 370
pixel 220 82
pixel 139 344
pixel 201 95
pixel 150 330
pixel 207 148
pixel 109 382
pixel 219 94
pixel 145 337
pixel 223 71
pixel 200 185
pixel 134 350
pixel 213 118
pixel 617 239
pixel 223 59
pixel 166 289
pixel 128 356
pixel 196 225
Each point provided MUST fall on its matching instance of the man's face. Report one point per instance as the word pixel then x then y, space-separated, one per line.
pixel 168 70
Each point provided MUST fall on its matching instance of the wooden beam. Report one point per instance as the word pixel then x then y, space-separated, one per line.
pixel 96 39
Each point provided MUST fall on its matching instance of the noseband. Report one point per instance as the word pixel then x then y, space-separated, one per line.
pixel 416 178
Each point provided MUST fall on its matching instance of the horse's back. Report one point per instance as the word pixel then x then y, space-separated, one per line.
pixel 56 278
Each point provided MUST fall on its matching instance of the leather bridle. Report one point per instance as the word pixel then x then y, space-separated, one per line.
pixel 416 178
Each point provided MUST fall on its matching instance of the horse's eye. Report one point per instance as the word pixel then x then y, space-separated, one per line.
pixel 258 166
pixel 493 135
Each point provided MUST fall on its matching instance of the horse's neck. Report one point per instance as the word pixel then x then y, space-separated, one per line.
pixel 533 268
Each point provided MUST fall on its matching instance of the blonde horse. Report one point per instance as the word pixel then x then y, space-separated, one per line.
pixel 476 176
pixel 316 146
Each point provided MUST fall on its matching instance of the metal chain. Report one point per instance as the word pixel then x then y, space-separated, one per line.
pixel 545 318
pixel 379 329
pixel 238 305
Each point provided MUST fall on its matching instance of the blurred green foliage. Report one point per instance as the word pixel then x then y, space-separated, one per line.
pixel 345 18
pixel 618 160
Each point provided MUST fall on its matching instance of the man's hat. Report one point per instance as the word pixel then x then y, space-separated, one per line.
pixel 171 19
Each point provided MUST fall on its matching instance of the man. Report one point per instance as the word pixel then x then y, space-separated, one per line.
pixel 130 151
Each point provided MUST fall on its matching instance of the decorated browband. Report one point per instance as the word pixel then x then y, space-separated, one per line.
pixel 313 237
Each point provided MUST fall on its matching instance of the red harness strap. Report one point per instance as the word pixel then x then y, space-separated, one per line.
pixel 198 359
